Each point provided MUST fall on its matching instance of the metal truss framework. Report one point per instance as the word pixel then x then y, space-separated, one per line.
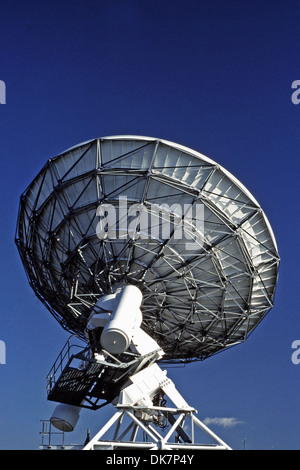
pixel 149 426
pixel 154 440
pixel 196 303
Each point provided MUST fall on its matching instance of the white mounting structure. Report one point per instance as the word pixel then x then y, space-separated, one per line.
pixel 136 398
pixel 141 398
pixel 135 402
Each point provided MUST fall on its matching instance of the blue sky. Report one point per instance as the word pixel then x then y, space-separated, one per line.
pixel 213 75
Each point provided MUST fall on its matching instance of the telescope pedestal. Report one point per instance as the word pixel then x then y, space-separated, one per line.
pixel 137 416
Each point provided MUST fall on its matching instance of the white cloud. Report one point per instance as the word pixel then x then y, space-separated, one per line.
pixel 225 422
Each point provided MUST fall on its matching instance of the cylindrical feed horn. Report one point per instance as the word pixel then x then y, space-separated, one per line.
pixel 127 316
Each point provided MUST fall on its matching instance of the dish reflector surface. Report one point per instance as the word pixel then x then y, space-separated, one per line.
pixel 137 210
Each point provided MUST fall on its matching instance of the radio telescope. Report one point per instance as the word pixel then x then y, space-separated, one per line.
pixel 148 252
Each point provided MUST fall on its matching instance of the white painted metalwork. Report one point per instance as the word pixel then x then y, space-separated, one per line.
pixel 147 250
pixel 195 302
pixel 135 403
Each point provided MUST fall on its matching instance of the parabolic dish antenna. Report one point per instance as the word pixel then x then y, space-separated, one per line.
pixel 148 251
pixel 152 213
